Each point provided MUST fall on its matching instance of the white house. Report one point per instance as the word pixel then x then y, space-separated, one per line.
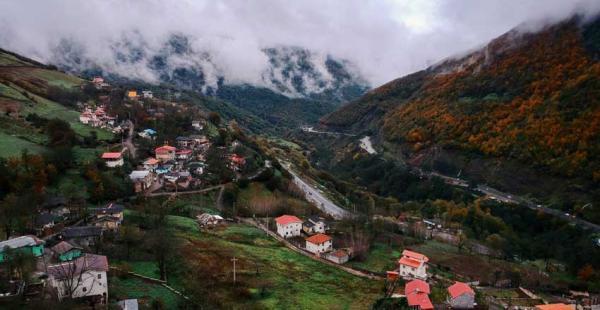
pixel 319 243
pixel 461 296
pixel 113 159
pixel 288 226
pixel 82 277
pixel 147 94
pixel 413 265
pixel 314 224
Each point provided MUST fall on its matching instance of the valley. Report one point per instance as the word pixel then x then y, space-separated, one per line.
pixel 152 173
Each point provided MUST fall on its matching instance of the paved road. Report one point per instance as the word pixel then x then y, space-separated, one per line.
pixel 128 142
pixel 315 197
pixel 508 198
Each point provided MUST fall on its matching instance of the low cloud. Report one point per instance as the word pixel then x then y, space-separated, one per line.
pixel 384 39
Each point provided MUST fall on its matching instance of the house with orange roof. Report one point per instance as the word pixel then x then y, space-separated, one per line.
pixel 165 153
pixel 413 265
pixel 113 159
pixel 559 306
pixel 132 94
pixel 319 243
pixel 339 256
pixel 288 226
pixel 151 164
pixel 461 296
pixel 417 295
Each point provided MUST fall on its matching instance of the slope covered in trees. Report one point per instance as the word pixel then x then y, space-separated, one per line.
pixel 529 97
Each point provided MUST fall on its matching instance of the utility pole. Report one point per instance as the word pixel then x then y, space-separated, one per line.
pixel 234 260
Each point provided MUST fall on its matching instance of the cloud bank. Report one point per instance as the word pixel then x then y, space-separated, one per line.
pixel 384 39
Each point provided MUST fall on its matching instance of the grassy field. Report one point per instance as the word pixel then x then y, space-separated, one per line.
pixel 146 292
pixel 381 258
pixel 10 60
pixel 275 276
pixel 13 146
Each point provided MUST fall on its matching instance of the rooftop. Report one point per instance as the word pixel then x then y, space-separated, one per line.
pixel 81 231
pixel 415 255
pixel 82 264
pixel 287 219
pixel 318 239
pixel 559 306
pixel 111 155
pixel 20 242
pixel 63 247
pixel 416 286
pixel 460 288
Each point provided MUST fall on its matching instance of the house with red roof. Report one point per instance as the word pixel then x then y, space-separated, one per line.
pixel 559 306
pixel 113 159
pixel 288 226
pixel 184 154
pixel 417 295
pixel 461 296
pixel 165 153
pixel 338 256
pixel 413 265
pixel 319 243
pixel 237 162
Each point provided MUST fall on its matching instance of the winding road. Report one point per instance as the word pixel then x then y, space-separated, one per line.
pixel 128 143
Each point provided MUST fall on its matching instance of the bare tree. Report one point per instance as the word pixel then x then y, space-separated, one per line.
pixel 76 278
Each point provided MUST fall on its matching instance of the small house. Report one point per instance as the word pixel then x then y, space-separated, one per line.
pixel 461 296
pixel 142 180
pixel 198 125
pixel 132 94
pixel 98 80
pixel 147 94
pixel 64 251
pixel 184 142
pixel 88 272
pixel 128 304
pixel 44 221
pixel 57 206
pixel 147 133
pixel 28 244
pixel 288 226
pixel 112 210
pixel 237 162
pixel 206 219
pixel 150 164
pixel 319 243
pixel 413 265
pixel 82 235
pixel 314 224
pixel 165 153
pixel 184 154
pixel 113 159
pixel 417 295
pixel 338 256
pixel 108 223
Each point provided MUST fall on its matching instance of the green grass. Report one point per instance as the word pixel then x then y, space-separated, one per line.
pixel 86 155
pixel 10 60
pixel 146 291
pixel 11 146
pixel 295 281
pixel 57 78
pixel 381 258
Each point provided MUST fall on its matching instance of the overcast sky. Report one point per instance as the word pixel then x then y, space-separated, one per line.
pixel 385 39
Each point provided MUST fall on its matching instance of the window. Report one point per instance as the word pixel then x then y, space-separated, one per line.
pixel 84 289
pixel 99 276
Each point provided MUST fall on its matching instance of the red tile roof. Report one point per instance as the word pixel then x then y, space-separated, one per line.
pixel 114 155
pixel 339 253
pixel 165 149
pixel 392 275
pixel 418 286
pixel 287 219
pixel 559 306
pixel 415 255
pixel 460 288
pixel 318 239
pixel 409 262
pixel 151 161
pixel 181 152
pixel 419 299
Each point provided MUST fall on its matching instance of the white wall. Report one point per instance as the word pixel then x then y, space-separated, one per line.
pixel 319 248
pixel 89 281
pixel 289 230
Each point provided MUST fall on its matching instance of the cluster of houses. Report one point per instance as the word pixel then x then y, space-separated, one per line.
pixel 174 168
pixel 65 264
pixel 316 241
pixel 99 118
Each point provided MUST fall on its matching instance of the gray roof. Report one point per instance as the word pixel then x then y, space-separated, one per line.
pixel 128 304
pixel 20 242
pixel 82 264
pixel 111 208
pixel 138 174
pixel 82 231
pixel 44 218
pixel 63 247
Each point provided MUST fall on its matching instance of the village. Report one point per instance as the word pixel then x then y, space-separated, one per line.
pixel 67 256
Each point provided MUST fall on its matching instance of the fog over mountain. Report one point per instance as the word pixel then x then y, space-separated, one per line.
pixel 290 47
